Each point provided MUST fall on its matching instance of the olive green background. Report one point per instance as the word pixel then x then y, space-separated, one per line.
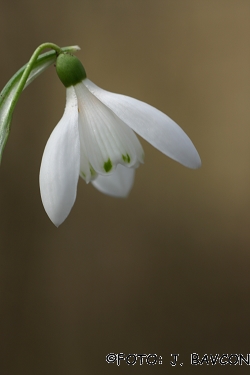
pixel 166 270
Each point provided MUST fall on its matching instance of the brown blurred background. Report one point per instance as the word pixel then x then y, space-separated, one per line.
pixel 166 270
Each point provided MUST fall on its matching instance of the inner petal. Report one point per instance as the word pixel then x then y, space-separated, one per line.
pixel 108 140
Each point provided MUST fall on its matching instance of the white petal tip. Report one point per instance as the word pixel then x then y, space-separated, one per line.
pixel 195 163
pixel 56 213
pixel 198 165
pixel 58 223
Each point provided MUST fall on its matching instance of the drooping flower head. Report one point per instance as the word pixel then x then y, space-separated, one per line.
pixel 95 139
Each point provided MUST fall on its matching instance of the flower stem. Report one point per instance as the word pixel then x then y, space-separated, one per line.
pixel 22 78
pixel 29 67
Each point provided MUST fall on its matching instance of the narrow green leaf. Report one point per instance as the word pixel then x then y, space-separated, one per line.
pixel 8 96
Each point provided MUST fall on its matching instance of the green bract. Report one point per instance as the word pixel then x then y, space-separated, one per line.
pixel 69 69
pixel 23 77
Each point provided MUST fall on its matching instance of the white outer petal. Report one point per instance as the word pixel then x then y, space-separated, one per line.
pixel 117 184
pixel 60 165
pixel 151 124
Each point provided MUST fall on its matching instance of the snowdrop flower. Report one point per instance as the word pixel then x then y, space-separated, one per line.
pixel 95 140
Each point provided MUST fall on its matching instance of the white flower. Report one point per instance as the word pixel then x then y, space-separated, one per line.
pixel 95 139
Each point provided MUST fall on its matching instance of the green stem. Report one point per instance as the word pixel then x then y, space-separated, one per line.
pixel 28 69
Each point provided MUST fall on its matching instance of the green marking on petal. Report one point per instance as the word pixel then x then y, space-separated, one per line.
pixel 92 171
pixel 83 174
pixel 107 166
pixel 126 158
